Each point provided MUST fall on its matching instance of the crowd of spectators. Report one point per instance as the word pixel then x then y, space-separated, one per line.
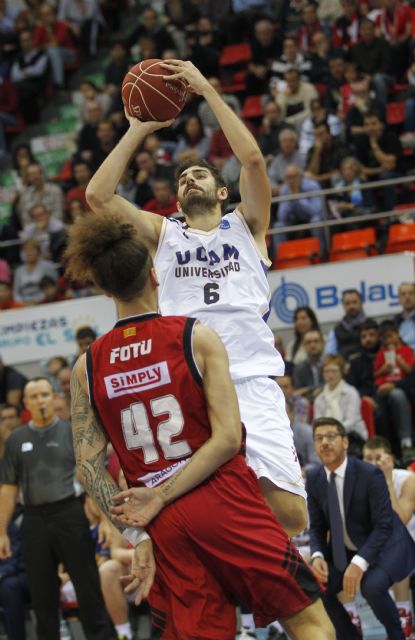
pixel 322 78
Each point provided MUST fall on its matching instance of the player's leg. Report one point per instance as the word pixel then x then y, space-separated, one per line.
pixel 312 622
pixel 271 452
pixel 115 599
pixel 289 508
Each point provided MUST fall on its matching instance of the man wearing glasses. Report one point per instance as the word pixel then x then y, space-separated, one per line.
pixel 368 547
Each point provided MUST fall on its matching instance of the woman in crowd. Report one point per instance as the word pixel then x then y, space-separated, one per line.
pixel 304 320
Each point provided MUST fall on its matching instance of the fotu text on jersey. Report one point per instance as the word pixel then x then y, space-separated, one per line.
pixel 229 252
pixel 128 351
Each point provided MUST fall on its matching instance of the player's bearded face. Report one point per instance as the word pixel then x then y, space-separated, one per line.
pixel 196 199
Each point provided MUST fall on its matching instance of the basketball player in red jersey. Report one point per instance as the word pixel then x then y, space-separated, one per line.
pixel 159 389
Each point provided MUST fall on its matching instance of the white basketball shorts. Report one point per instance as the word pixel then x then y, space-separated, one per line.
pixel 270 449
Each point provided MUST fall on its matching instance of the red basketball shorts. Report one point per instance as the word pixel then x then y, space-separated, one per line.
pixel 219 545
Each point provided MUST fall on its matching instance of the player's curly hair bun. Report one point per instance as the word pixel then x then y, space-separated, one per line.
pixel 105 249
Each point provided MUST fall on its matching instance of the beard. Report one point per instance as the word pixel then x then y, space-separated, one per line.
pixel 198 203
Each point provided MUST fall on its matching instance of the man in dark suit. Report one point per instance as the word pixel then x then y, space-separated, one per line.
pixel 368 548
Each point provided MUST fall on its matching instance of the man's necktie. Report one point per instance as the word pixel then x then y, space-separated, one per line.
pixel 336 527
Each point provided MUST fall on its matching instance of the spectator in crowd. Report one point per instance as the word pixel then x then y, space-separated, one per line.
pixel 338 399
pixel 106 140
pixel 304 209
pixel 288 155
pixel 394 23
pixel 61 407
pixel 193 144
pixel 164 202
pixel 40 462
pixel 89 92
pixel 344 338
pixel 9 420
pixel 308 375
pixel 319 58
pixel 84 337
pixel 127 187
pixel 291 58
pixel 355 202
pixel 271 126
pixel 50 290
pixel 51 369
pixel 204 47
pixel 49 232
pixel 319 114
pixel 360 372
pixel 205 113
pixel 373 57
pixel 266 47
pixel 27 277
pixel 39 191
pixel 64 379
pixel 369 548
pixel 6 296
pixel 54 36
pixel 295 99
pixel 401 485
pixel 82 173
pixel 8 111
pixel 361 103
pixel 325 156
pixel 405 320
pixel 311 25
pixel 28 74
pixel 22 158
pixel 87 139
pixel 85 20
pixel 380 153
pixel 299 419
pixel 393 363
pixel 115 72
pixel 14 592
pixel 299 406
pixel 8 15
pixel 152 28
pixel 335 82
pixel 76 208
pixel 12 383
pixel 345 31
pixel 304 319
pixel 149 170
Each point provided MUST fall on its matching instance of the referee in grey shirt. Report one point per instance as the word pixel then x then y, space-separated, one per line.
pixel 39 460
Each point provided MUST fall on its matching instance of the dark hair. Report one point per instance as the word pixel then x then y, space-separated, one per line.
pixel 38 379
pixel 217 176
pixel 16 150
pixel 386 326
pixel 8 405
pixel 107 250
pixel 368 324
pixel 374 113
pixel 292 70
pixel 314 326
pixel 201 133
pixel 329 422
pixel 355 291
pixel 85 332
pixel 46 281
pixel 378 442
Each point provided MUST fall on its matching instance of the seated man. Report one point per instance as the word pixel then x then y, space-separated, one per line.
pixel 308 375
pixel 288 154
pixel 302 210
pixel 368 548
pixel 325 155
pixel 295 99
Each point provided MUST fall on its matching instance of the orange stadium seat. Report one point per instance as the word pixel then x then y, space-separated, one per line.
pixel 235 54
pixel 297 253
pixel 351 245
pixel 401 237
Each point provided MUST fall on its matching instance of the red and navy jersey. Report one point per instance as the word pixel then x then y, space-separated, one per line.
pixel 147 391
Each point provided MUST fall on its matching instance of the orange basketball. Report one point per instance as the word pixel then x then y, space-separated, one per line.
pixel 147 96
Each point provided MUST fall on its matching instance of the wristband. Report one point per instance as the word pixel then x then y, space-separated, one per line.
pixel 135 535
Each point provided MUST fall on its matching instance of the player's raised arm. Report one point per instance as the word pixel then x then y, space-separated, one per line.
pixel 137 506
pixel 100 193
pixel 254 185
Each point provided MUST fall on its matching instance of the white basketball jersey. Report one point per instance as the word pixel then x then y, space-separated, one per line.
pixel 219 277
pixel 399 476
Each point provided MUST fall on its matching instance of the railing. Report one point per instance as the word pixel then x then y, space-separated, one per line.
pixel 326 223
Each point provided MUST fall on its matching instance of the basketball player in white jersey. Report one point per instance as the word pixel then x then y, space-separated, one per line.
pixel 214 268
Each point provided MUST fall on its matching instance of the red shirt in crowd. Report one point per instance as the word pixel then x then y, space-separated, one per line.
pixel 59 32
pixel 154 206
pixel 393 25
pixel 397 373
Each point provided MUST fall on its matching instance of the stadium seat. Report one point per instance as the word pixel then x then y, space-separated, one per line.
pixel 236 83
pixel 401 237
pixel 235 54
pixel 352 245
pixel 297 253
pixel 368 416
pixel 252 107
pixel 395 112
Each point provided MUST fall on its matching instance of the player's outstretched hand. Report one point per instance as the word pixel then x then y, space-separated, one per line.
pixel 136 507
pixel 150 127
pixel 143 570
pixel 186 70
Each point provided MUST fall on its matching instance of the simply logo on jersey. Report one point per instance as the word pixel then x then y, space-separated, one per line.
pixel 119 384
